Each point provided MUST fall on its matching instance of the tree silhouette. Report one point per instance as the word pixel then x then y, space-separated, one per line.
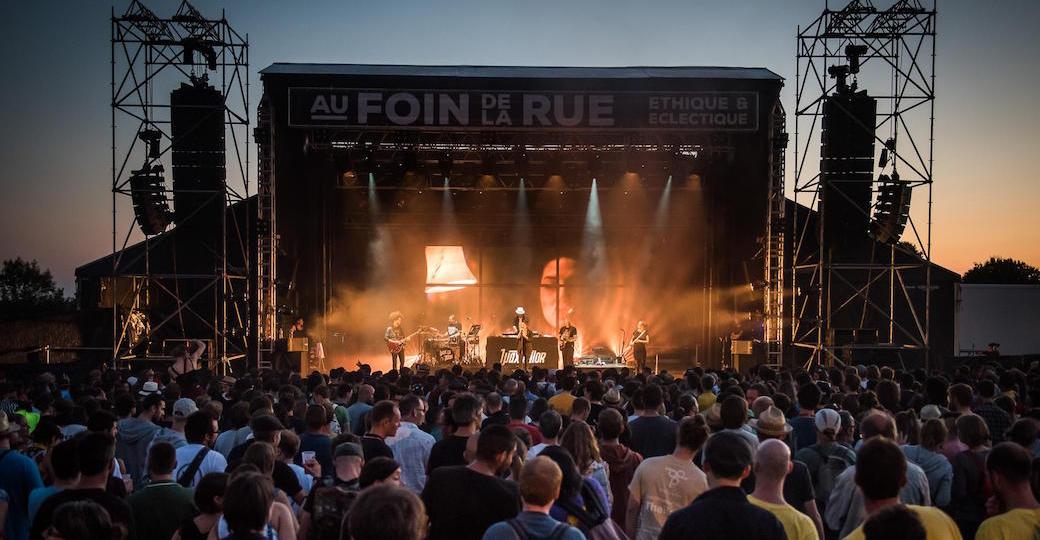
pixel 1003 271
pixel 27 291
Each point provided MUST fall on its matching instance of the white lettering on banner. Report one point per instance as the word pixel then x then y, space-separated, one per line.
pixel 394 116
pixel 560 114
pixel 601 110
pixel 368 103
pixel 536 106
pixel 459 109
pixel 428 109
pixel 320 105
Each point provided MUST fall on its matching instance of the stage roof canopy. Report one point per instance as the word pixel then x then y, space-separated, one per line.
pixel 514 72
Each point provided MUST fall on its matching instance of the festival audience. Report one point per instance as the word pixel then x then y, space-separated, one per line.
pixel 609 451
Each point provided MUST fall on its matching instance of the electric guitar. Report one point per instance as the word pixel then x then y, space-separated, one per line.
pixel 397 345
pixel 628 347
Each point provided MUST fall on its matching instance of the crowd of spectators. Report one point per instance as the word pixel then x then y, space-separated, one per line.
pixel 829 453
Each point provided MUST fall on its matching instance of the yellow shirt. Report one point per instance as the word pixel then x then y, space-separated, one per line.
pixel 1018 524
pixel 562 403
pixel 937 525
pixel 797 525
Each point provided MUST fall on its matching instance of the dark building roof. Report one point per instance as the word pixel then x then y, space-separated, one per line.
pixel 515 72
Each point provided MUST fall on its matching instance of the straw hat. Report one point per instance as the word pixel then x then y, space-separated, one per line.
pixel 771 422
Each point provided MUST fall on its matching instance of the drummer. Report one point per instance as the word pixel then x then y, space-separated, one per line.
pixel 454 326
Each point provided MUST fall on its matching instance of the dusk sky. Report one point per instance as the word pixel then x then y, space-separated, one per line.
pixel 55 139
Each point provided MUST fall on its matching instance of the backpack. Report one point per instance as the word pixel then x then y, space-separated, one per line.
pixel 523 534
pixel 331 505
pixel 594 519
pixel 831 467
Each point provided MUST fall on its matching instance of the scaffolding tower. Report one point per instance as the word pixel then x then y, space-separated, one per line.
pixel 891 54
pixel 153 304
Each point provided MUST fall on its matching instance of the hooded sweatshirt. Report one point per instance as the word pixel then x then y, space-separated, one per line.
pixel 937 468
pixel 621 463
pixel 132 441
pixel 166 435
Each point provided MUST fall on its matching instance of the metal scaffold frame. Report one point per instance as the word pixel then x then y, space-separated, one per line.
pixel 149 56
pixel 900 52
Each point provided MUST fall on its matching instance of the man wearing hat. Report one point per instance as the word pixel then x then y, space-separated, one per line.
pixel 182 409
pixel 335 498
pixel 19 475
pixel 523 337
pixel 826 458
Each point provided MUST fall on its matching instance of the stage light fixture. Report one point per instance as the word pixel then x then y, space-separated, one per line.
pixel 853 53
pixel 521 161
pixel 890 145
pixel 594 163
pixel 407 161
pixel 151 137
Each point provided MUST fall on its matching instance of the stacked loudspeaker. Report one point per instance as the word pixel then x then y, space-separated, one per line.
pixel 148 194
pixel 892 210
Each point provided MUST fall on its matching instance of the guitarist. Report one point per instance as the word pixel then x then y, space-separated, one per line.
pixel 523 337
pixel 395 339
pixel 568 334
pixel 640 338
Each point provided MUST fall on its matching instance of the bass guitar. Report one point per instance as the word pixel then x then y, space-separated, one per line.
pixel 566 337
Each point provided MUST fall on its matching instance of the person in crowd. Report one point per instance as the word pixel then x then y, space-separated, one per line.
pixel 356 412
pixel 411 445
pixel 463 501
pixel 653 435
pixel 517 419
pixel 881 470
pixel 580 410
pixel 662 485
pixel 582 501
pixel 19 476
pixel 163 504
pixel 247 506
pixel 209 500
pixel 825 459
pixel 797 488
pixel 136 433
pixel 386 512
pixel 267 429
pixel 261 457
pixel 540 481
pixel 449 451
pixel 579 440
pixel 238 430
pixel 493 411
pixel 997 420
pixel 621 462
pixel 182 409
pixel 83 519
pixel 316 439
pixel 896 522
pixel 384 418
pixel 724 510
pixel 772 466
pixel 550 424
pixel 326 505
pixel 804 425
pixel 972 486
pixel 94 452
pixel 63 467
pixel 195 459
pixel 564 399
pixel 935 465
pixel 1017 512
pixel 288 449
pixel 380 470
pixel 845 507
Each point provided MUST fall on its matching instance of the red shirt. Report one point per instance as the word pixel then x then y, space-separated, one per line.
pixel 536 436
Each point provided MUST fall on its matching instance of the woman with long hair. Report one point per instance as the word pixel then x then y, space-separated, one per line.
pixel 83 519
pixel 582 502
pixel 209 499
pixel 580 441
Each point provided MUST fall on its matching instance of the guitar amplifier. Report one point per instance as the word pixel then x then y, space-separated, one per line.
pixel 298 344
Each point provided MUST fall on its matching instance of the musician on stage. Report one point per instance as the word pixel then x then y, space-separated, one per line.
pixel 523 337
pixel 394 338
pixel 454 326
pixel 568 334
pixel 640 339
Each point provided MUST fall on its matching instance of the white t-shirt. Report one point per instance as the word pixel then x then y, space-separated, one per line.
pixel 213 462
pixel 663 485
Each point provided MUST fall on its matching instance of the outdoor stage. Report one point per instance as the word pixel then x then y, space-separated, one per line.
pixel 612 194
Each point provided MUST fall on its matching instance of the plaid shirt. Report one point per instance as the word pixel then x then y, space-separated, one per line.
pixel 996 419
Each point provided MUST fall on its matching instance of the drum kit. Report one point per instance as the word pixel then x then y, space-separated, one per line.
pixel 452 348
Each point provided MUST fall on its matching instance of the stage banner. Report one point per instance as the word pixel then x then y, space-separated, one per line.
pixel 457 110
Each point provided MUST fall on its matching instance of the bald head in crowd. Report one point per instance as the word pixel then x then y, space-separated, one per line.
pixel 878 423
pixel 366 393
pixel 772 460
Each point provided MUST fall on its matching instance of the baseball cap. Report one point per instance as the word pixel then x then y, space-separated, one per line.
pixel 931 412
pixel 184 407
pixel 349 449
pixel 828 420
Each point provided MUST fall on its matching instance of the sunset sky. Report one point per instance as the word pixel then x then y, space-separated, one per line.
pixel 55 143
